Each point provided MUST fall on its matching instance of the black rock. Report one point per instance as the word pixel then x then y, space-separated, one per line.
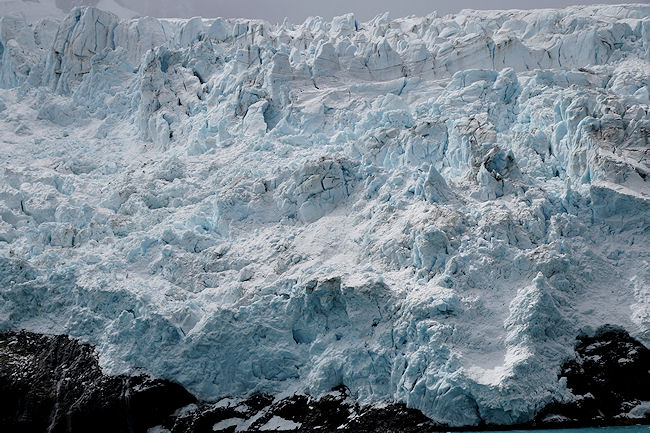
pixel 52 384
pixel 610 375
pixel 331 413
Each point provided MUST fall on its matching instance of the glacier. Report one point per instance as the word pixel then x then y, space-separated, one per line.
pixel 425 210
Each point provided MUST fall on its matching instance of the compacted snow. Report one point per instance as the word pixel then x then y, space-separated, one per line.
pixel 426 210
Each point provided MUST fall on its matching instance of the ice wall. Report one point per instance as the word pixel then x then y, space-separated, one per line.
pixel 426 210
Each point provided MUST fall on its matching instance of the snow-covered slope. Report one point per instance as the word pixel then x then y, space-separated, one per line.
pixel 425 210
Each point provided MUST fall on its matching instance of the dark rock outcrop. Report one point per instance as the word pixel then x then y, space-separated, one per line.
pixel 610 375
pixel 332 413
pixel 54 384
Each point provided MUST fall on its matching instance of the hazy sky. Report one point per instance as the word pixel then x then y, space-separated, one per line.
pixel 297 11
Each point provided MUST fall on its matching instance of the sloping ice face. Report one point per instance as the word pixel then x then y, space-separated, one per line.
pixel 426 210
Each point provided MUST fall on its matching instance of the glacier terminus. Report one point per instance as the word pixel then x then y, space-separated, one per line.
pixel 427 211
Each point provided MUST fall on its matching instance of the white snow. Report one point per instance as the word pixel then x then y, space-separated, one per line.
pixel 230 422
pixel 425 210
pixel 280 424
pixel 640 410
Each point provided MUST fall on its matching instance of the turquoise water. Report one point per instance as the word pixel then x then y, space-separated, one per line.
pixel 627 429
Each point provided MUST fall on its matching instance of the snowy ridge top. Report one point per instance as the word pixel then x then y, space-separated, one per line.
pixel 425 210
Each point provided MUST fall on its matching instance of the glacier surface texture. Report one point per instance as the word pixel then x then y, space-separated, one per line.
pixel 426 210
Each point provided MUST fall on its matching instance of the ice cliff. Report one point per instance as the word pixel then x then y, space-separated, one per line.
pixel 425 210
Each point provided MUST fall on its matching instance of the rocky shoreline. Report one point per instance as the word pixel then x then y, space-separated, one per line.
pixel 54 384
